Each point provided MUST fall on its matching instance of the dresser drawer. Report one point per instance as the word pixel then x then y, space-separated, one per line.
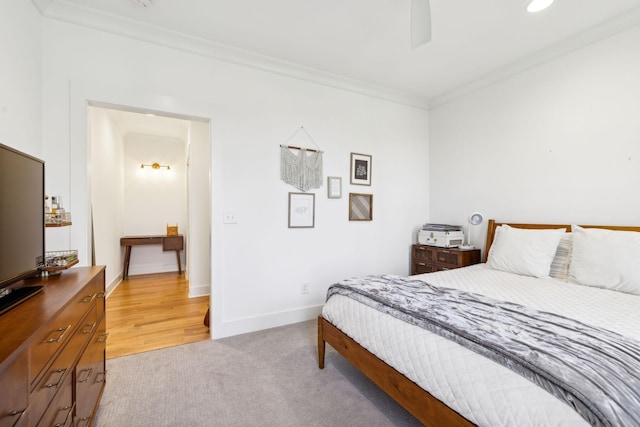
pixel 90 376
pixel 172 243
pixel 422 267
pixel 447 259
pixel 15 392
pixel 60 412
pixel 424 253
pixel 55 375
pixel 96 287
pixel 58 332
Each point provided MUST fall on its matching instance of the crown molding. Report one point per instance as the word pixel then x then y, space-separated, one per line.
pixel 593 35
pixel 64 11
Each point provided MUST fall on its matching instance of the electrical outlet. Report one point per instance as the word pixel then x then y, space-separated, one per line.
pixel 304 288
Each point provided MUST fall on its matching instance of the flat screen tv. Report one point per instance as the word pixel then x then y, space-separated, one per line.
pixel 21 225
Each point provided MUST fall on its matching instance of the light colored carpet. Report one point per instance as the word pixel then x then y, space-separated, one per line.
pixel 266 378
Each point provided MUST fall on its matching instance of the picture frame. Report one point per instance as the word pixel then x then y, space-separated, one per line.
pixel 360 169
pixel 302 210
pixel 334 187
pixel 360 207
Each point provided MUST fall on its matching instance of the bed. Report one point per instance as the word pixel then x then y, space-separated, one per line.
pixel 444 383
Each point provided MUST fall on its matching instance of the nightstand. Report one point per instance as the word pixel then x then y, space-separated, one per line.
pixel 427 259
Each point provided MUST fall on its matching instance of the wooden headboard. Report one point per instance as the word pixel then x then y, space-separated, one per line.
pixel 492 225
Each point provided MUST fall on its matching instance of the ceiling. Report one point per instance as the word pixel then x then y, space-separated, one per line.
pixel 363 44
pixel 133 122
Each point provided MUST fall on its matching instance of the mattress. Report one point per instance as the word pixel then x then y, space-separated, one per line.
pixel 482 391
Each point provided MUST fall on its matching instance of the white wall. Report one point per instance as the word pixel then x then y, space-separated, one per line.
pixel 20 76
pixel 557 143
pixel 258 263
pixel 199 202
pixel 154 198
pixel 107 188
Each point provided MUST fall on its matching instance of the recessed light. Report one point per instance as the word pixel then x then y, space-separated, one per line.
pixel 538 5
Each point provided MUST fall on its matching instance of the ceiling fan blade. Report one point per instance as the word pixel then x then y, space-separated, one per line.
pixel 420 23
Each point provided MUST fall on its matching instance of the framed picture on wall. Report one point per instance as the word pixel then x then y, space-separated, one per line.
pixel 360 207
pixel 302 210
pixel 360 169
pixel 334 187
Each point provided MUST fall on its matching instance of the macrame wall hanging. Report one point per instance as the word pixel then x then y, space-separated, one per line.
pixel 302 170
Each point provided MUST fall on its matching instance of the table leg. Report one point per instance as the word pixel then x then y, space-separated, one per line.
pixel 127 257
pixel 179 265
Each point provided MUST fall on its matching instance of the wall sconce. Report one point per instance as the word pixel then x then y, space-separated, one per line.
pixel 155 166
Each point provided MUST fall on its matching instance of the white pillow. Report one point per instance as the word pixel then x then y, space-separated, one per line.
pixel 524 251
pixel 606 259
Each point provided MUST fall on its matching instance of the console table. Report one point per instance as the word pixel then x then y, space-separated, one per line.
pixel 169 243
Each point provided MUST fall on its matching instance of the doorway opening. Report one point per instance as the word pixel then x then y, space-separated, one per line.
pixel 129 199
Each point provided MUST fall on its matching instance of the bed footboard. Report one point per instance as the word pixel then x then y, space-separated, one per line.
pixel 422 405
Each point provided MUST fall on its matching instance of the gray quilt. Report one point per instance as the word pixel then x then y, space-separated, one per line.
pixel 593 370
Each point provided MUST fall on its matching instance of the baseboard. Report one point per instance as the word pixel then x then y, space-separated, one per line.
pixel 135 270
pixel 258 323
pixel 199 291
pixel 113 284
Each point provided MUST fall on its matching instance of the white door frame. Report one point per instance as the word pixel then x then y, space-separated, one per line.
pixel 81 95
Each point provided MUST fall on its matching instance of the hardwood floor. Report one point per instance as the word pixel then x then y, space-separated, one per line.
pixel 152 311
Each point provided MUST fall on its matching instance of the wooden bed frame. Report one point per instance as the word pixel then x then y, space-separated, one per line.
pixel 420 403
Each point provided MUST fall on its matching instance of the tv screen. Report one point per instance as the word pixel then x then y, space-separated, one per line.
pixel 21 215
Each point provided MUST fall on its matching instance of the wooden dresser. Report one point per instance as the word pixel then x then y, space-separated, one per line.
pixel 52 357
pixel 427 259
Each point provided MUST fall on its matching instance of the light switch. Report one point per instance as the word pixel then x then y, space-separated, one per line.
pixel 229 217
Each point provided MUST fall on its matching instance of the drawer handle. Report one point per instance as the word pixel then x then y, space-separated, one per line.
pixel 89 298
pixel 100 377
pixel 59 337
pixel 84 420
pixel 18 412
pixel 69 410
pixel 103 337
pixel 90 325
pixel 420 248
pixel 422 264
pixel 60 371
pixel 88 371
pixel 100 295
